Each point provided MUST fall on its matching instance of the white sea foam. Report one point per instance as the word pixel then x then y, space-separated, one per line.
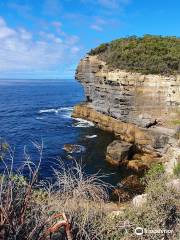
pixel 39 118
pixel 65 111
pixel 82 123
pixel 66 115
pixel 51 110
pixel 66 108
pixel 91 136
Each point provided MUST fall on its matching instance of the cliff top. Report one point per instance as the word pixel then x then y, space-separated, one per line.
pixel 148 54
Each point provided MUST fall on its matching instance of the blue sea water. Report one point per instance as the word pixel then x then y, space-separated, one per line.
pixel 41 111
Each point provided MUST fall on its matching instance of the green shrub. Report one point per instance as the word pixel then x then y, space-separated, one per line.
pixel 149 54
pixel 155 172
pixel 161 209
pixel 102 48
pixel 176 169
pixel 4 147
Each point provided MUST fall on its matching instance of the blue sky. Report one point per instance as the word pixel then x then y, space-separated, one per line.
pixel 47 38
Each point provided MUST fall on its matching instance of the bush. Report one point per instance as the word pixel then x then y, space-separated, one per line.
pixel 161 210
pixel 177 169
pixel 156 171
pixel 149 54
pixel 32 210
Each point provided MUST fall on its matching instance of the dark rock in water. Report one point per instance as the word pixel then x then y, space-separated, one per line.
pixel 73 148
pixel 118 152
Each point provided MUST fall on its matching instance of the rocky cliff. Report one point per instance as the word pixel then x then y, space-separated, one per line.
pixel 131 97
pixel 140 109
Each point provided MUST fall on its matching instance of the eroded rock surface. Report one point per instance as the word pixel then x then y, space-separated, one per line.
pixel 140 200
pixel 119 152
pixel 142 110
pixel 144 100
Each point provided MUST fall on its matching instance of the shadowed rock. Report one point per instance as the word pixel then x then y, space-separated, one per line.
pixel 118 152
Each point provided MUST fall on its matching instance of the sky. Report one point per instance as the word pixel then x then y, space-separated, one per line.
pixel 45 39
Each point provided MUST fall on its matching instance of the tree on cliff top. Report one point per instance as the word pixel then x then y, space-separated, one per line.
pixel 148 54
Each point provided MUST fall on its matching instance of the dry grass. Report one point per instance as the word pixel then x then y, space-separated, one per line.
pixel 28 208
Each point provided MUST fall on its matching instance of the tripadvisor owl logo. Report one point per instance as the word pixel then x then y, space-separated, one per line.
pixel 139 231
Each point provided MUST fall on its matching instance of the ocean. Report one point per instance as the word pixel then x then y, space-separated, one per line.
pixel 40 111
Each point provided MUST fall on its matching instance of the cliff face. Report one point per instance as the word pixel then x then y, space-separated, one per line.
pixel 131 97
pixel 143 110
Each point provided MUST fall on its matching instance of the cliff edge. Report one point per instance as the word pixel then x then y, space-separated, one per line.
pixel 141 109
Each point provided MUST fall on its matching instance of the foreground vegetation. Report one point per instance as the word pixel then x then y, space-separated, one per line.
pixel 76 206
pixel 149 54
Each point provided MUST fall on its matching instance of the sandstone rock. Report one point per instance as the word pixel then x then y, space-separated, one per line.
pixel 177 132
pixel 144 139
pixel 119 152
pixel 143 161
pixel 125 131
pixel 139 200
pixel 171 158
pixel 137 165
pixel 146 121
pixel 132 97
pixel 139 109
pixel 175 183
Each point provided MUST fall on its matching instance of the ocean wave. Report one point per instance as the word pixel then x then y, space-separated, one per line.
pixel 39 118
pixel 82 123
pixel 64 111
pixel 51 110
pixel 91 136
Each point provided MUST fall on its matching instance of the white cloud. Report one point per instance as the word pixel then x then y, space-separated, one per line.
pixel 21 50
pixel 98 24
pixel 52 37
pixel 57 24
pixel 2 22
pixel 58 27
pixel 110 4
pixel 25 34
pixel 96 27
pixel 75 50
pixel 4 30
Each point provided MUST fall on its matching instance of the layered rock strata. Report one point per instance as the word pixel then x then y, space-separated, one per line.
pixel 142 110
pixel 131 97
